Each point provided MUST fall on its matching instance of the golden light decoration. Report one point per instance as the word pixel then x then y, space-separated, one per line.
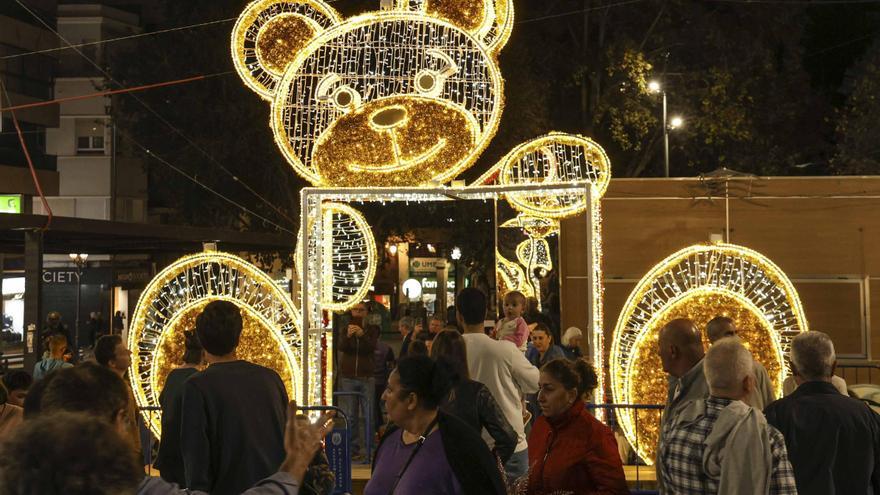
pixel 269 33
pixel 511 277
pixel 534 253
pixel 555 158
pixel 699 282
pixel 379 61
pixel 430 134
pixel 176 296
pixel 346 239
pixel 391 98
pixel 490 21
pixel 559 158
pixel 533 226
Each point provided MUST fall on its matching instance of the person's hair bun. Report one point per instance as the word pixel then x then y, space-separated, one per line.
pixel 588 378
pixel 429 380
pixel 578 374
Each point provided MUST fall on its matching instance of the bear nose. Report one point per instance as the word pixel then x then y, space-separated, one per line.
pixel 389 117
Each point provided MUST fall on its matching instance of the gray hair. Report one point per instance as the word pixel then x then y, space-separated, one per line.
pixel 408 322
pixel 727 364
pixel 571 333
pixel 813 355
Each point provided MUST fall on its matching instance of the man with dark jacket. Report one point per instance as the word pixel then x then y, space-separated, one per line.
pixel 233 413
pixel 357 346
pixel 833 441
pixel 406 327
pixel 82 418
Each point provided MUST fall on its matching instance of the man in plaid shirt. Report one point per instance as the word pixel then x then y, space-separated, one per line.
pixel 720 445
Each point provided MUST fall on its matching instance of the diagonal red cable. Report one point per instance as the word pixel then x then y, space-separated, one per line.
pixel 105 93
pixel 30 163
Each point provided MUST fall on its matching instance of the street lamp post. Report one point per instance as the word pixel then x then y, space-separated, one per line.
pixel 665 139
pixel 456 256
pixel 668 124
pixel 80 261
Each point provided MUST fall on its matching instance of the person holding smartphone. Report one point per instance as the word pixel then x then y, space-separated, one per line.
pixel 357 346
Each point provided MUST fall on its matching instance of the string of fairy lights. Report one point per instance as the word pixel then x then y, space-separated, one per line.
pixel 261 65
pixel 386 107
pixel 447 85
pixel 349 242
pixel 173 299
pixel 555 158
pixel 699 283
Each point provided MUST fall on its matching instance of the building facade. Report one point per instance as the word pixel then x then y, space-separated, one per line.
pixel 27 78
pixel 96 181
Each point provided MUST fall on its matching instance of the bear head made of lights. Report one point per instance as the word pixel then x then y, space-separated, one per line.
pixel 406 96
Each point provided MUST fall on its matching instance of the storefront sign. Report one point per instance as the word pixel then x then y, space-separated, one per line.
pixel 425 265
pixel 10 203
pixel 69 276
pixel 60 277
pixel 431 283
pixel 131 277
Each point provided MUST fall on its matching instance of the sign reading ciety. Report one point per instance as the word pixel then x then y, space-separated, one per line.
pixel 60 277
pixel 10 203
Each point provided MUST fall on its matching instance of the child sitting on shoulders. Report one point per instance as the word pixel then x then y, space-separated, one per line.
pixel 513 327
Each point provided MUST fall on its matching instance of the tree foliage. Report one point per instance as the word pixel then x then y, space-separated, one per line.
pixel 858 135
pixel 756 83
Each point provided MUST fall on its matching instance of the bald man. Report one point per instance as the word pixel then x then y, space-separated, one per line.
pixel 762 395
pixel 680 347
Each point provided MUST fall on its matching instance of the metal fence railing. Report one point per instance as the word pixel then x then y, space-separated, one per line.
pixel 640 468
pixel 337 447
pixel 363 405
pixel 148 441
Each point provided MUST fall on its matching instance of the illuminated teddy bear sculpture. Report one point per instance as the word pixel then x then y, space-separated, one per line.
pixel 406 96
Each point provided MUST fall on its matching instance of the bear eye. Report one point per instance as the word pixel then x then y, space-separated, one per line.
pixel 426 81
pixel 430 82
pixel 342 96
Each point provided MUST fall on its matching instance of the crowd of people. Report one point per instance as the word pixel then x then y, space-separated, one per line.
pixel 229 427
pixel 724 431
pixel 472 409
pixel 463 409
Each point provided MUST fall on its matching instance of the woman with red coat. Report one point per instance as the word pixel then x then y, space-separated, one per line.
pixel 570 451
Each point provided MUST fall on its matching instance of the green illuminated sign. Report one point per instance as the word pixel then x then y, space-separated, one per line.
pixel 10 203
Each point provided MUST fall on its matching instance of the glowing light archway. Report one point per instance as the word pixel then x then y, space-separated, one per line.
pixel 176 296
pixel 699 282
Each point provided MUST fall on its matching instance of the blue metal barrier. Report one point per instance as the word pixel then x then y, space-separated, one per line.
pixel 337 446
pixel 146 436
pixel 368 421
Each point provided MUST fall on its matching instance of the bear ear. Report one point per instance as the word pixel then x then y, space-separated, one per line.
pixel 270 33
pixel 490 21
